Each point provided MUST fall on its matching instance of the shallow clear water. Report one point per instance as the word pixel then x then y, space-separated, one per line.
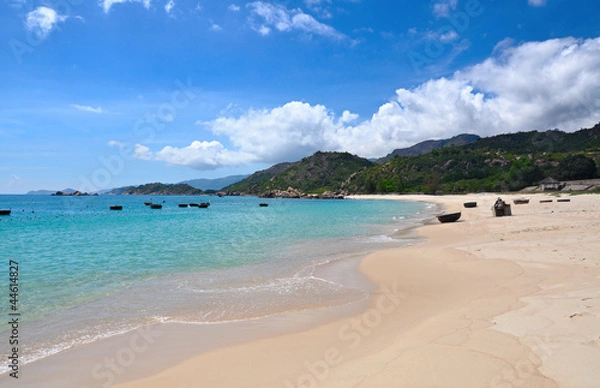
pixel 86 272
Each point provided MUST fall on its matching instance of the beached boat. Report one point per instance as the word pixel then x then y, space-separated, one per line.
pixel 116 207
pixel 451 217
pixel 546 201
pixel 521 201
pixel 563 200
pixel 263 204
pixel 5 212
pixel 156 206
pixel 204 205
pixel 470 204
pixel 183 205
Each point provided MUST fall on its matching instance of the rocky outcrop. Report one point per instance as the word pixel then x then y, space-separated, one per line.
pixel 69 194
pixel 295 193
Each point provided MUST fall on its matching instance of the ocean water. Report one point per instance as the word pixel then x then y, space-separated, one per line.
pixel 86 272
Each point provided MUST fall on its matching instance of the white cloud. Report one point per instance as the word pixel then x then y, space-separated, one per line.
pixel 115 143
pixel 42 20
pixel 537 85
pixel 107 4
pixel 266 16
pixel 537 3
pixel 88 108
pixel 234 8
pixel 169 6
pixel 201 155
pixel 215 27
pixel 443 8
pixel 142 152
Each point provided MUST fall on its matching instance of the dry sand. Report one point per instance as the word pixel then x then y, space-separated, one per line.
pixel 486 302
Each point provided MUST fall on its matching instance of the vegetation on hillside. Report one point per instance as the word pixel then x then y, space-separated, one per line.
pixel 499 163
pixel 159 189
pixel 323 171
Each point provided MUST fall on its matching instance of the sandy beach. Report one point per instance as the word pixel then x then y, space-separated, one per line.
pixel 482 302
pixel 485 302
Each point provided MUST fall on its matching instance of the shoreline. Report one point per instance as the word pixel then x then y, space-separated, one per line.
pixel 142 344
pixel 479 304
pixel 459 311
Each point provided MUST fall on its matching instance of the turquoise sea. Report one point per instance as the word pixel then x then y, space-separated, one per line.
pixel 86 272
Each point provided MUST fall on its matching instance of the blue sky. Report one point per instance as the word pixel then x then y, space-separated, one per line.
pixel 99 94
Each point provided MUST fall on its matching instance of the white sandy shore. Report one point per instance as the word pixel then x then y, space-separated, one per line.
pixel 496 302
pixel 486 302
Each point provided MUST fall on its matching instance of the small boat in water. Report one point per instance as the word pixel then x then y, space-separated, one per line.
pixel 204 205
pixel 451 217
pixel 155 206
pixel 470 204
pixel 5 212
pixel 183 205
pixel 116 207
pixel 193 204
pixel 263 204
pixel 147 203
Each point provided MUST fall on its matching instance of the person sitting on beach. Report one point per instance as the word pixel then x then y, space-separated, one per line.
pixel 499 204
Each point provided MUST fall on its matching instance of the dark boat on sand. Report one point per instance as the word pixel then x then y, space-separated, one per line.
pixel 451 217
pixel 156 206
pixel 5 212
pixel 470 204
pixel 116 207
pixel 521 201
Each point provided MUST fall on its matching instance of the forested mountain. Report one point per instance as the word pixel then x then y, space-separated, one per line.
pixel 499 163
pixel 323 171
pixel 157 189
pixel 431 145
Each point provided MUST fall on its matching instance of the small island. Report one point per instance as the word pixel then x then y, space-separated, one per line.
pixel 158 189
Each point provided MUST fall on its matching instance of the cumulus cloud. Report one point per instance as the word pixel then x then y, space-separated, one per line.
pixel 536 85
pixel 268 16
pixel 234 8
pixel 107 4
pixel 42 21
pixel 88 108
pixel 201 155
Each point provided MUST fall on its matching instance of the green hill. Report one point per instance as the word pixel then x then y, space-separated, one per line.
pixel 507 162
pixel 499 163
pixel 323 171
pixel 431 145
pixel 157 189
